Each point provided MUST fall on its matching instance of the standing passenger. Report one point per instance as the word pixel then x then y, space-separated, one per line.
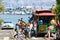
pixel 57 25
pixel 48 31
pixel 16 29
pixel 31 26
pixel 28 30
pixel 49 28
pixel 20 25
pixel 35 28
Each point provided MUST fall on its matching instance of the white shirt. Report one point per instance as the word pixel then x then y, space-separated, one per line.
pixel 31 25
pixel 35 28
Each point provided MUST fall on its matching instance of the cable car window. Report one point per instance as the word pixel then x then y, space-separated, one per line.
pixel 44 20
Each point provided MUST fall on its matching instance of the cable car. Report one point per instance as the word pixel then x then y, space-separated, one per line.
pixel 44 18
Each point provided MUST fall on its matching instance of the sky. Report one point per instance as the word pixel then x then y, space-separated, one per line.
pixel 46 4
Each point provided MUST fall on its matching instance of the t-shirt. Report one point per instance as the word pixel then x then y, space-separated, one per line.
pixel 35 28
pixel 51 27
pixel 31 26
pixel 40 22
pixel 52 21
pixel 20 26
pixel 16 28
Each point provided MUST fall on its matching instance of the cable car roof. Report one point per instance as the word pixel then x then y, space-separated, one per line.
pixel 44 13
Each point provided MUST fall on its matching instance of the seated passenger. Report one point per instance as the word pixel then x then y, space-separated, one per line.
pixel 40 22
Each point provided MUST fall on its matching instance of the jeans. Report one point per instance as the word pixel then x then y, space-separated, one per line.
pixel 16 34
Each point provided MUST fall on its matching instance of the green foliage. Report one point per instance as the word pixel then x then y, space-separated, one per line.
pixel 57 9
pixel 58 2
pixel 1 21
pixel 59 17
pixel 2 8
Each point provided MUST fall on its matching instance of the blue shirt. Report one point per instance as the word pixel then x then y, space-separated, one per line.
pixel 40 22
pixel 16 28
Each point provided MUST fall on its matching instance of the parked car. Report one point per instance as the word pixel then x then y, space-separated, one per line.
pixel 7 25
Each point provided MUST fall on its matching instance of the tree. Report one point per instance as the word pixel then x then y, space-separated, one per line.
pixel 2 8
pixel 57 9
pixel 1 21
pixel 58 2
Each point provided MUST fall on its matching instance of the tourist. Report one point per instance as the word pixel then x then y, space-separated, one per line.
pixel 31 27
pixel 29 19
pixel 57 25
pixel 20 25
pixel 48 31
pixel 25 32
pixel 22 20
pixel 35 28
pixel 16 29
pixel 53 22
pixel 28 30
pixel 40 22
pixel 49 28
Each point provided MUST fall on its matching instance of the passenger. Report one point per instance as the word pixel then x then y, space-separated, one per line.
pixel 53 21
pixel 28 19
pixel 49 28
pixel 25 31
pixel 31 26
pixel 28 29
pixel 57 25
pixel 35 28
pixel 22 20
pixel 40 22
pixel 48 31
pixel 16 29
pixel 23 25
pixel 20 25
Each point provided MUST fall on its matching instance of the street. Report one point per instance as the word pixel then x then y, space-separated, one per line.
pixel 9 35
